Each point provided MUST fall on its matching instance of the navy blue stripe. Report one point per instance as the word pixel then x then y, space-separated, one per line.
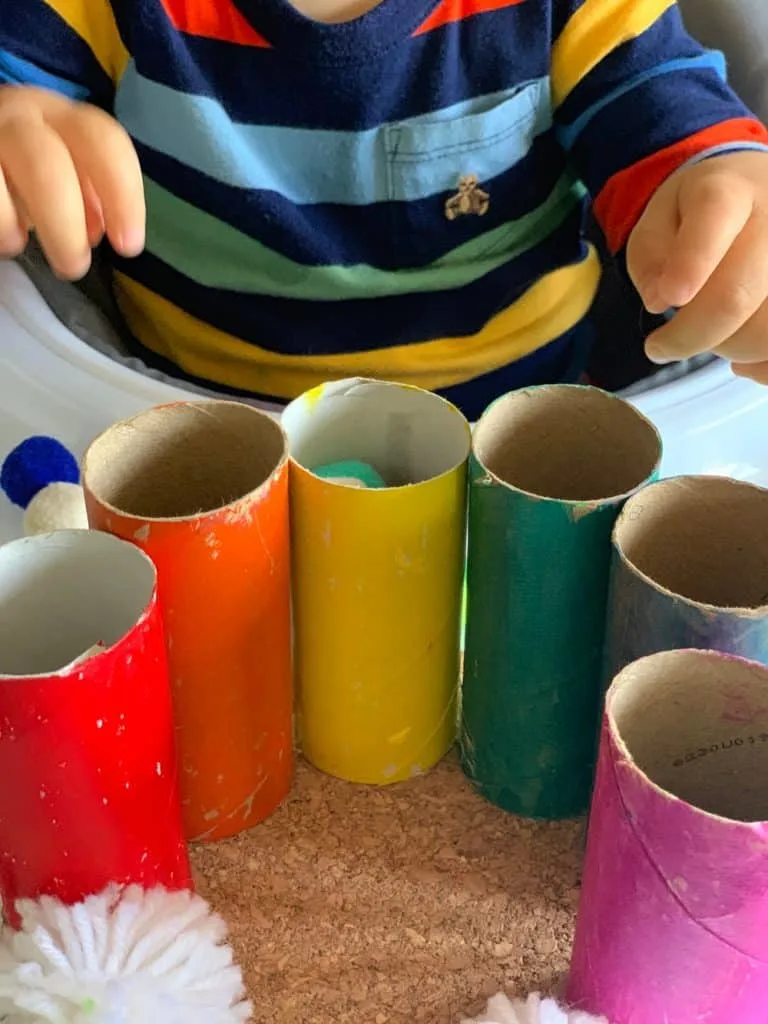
pixel 427 73
pixel 32 31
pixel 561 14
pixel 665 40
pixel 562 361
pixel 710 60
pixel 298 328
pixel 386 235
pixel 287 29
pixel 639 129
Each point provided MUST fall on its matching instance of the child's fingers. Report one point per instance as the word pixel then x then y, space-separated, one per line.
pixel 758 372
pixel 648 246
pixel 13 235
pixel 714 209
pixel 686 231
pixel 39 171
pixel 730 298
pixel 105 157
pixel 94 215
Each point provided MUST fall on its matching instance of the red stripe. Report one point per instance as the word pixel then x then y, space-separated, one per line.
pixel 213 19
pixel 625 196
pixel 448 11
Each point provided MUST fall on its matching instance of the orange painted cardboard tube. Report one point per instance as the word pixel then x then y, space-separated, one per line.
pixel 202 488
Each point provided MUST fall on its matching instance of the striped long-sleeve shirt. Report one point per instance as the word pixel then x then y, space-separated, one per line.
pixel 400 196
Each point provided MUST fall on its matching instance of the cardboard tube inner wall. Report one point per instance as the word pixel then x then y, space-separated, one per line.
pixel 409 436
pixel 689 726
pixel 569 443
pixel 58 600
pixel 180 461
pixel 701 538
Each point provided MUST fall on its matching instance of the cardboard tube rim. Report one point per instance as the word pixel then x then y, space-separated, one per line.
pixel 574 503
pixel 748 612
pixel 368 493
pixel 622 679
pixel 246 497
pixel 75 538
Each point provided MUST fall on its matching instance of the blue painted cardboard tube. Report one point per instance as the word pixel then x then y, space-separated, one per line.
pixel 550 469
pixel 689 570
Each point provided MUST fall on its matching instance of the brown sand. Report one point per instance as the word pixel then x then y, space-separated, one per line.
pixel 414 903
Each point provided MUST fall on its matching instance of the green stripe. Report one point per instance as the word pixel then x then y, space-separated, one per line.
pixel 217 255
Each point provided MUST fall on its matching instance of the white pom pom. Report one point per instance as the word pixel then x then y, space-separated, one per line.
pixel 124 957
pixel 57 507
pixel 347 481
pixel 533 1010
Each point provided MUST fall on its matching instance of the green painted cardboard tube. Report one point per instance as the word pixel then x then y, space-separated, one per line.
pixel 551 467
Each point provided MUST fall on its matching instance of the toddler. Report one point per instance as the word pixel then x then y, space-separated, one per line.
pixel 292 194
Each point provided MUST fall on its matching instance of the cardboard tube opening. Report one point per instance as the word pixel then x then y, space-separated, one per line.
pixel 696 723
pixel 184 459
pixel 63 593
pixel 567 443
pixel 406 434
pixel 701 538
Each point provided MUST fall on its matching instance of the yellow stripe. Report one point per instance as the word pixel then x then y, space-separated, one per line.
pixel 94 21
pixel 594 31
pixel 550 308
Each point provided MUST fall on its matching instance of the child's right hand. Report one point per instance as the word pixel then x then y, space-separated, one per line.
pixel 69 172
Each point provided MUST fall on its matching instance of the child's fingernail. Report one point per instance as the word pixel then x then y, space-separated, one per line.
pixel 658 356
pixel 131 242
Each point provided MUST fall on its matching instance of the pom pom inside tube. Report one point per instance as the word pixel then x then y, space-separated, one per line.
pixel 533 1010
pixel 124 957
pixel 351 473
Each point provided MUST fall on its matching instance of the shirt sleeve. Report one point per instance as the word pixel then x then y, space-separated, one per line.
pixel 72 47
pixel 636 98
pixel 740 29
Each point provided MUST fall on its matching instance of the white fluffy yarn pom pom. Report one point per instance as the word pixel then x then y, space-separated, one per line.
pixel 124 957
pixel 58 506
pixel 533 1010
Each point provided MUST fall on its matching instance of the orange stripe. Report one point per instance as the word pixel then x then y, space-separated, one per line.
pixel 212 19
pixel 448 11
pixel 624 197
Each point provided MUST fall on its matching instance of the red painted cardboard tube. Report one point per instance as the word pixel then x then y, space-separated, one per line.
pixel 88 772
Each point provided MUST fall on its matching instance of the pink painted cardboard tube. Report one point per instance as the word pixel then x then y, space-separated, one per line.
pixel 673 920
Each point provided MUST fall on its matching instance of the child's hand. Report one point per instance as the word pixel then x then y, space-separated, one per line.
pixel 702 246
pixel 70 172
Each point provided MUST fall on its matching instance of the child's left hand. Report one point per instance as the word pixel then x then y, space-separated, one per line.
pixel 702 246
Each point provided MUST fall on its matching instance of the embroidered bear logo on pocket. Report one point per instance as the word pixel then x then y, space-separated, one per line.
pixel 470 200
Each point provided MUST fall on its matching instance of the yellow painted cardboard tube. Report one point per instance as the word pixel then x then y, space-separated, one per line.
pixel 377 578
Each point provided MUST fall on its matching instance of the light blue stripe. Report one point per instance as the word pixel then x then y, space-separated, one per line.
pixel 568 134
pixel 414 159
pixel 724 149
pixel 14 71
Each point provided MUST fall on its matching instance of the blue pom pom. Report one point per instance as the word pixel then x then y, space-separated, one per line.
pixel 35 463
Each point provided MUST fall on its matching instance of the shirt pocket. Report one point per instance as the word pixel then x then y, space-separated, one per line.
pixel 453 178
